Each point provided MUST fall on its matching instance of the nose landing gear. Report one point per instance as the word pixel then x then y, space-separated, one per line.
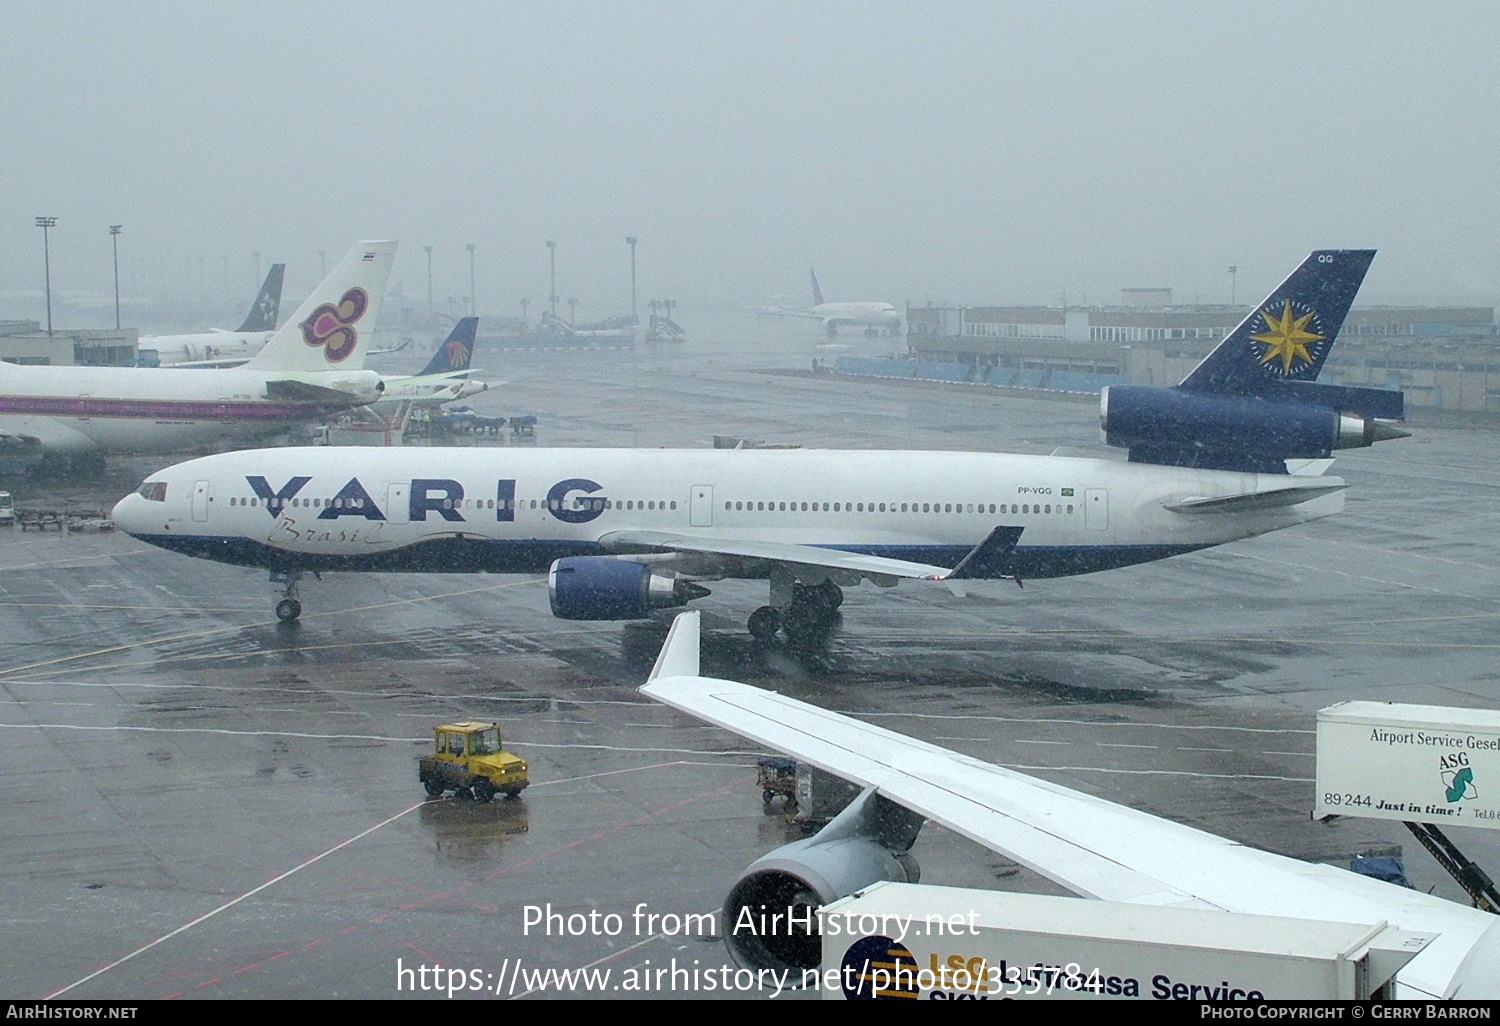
pixel 289 608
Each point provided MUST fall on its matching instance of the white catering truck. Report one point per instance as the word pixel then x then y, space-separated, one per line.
pixel 946 943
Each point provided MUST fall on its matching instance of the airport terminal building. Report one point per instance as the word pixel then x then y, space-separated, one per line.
pixel 1444 358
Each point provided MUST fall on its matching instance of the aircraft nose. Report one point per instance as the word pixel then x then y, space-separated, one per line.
pixel 130 514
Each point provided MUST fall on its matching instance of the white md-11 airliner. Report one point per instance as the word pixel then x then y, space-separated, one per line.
pixel 621 532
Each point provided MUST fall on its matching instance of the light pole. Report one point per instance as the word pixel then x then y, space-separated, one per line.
pixel 114 239
pixel 46 223
pixel 525 322
pixel 572 311
pixel 552 260
pixel 1232 271
pixel 429 285
pixel 473 302
pixel 630 240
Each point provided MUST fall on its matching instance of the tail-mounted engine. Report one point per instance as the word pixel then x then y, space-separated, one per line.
pixel 1299 420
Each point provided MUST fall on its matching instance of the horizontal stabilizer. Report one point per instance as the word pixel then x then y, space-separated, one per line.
pixel 1375 403
pixel 290 390
pixel 990 558
pixel 1250 502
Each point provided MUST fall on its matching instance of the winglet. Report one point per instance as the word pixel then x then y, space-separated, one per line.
pixel 679 654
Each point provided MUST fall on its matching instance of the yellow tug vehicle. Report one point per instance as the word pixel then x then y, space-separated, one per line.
pixel 468 760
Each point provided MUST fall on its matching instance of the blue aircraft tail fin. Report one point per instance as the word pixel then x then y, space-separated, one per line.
pixel 1287 337
pixel 1254 402
pixel 456 351
pixel 267 305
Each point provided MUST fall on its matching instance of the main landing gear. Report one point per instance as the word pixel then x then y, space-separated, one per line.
pixel 289 608
pixel 809 616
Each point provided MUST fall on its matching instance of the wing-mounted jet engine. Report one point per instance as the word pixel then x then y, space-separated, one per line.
pixel 770 915
pixel 1253 402
pixel 604 588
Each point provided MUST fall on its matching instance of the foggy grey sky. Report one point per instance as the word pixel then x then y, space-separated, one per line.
pixel 952 151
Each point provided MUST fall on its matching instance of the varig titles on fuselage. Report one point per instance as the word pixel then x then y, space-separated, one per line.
pixel 574 500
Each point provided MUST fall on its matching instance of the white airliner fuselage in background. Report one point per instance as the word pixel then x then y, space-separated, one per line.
pixel 312 368
pixel 223 348
pixel 872 316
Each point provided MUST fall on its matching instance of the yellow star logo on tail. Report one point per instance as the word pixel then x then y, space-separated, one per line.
pixel 1286 338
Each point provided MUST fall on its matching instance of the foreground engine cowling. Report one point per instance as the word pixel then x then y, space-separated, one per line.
pixel 600 588
pixel 770 915
pixel 1208 429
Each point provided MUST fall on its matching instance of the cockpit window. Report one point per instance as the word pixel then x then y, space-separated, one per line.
pixel 154 491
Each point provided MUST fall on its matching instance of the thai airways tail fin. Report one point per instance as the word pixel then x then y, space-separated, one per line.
pixel 457 350
pixel 331 329
pixel 267 305
pixel 817 292
pixel 1287 337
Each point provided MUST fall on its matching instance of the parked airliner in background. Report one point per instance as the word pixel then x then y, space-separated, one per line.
pixel 311 368
pixel 873 317
pixel 222 348
pixel 1094 848
pixel 445 379
pixel 1235 451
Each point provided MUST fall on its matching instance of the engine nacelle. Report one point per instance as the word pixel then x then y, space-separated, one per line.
pixel 599 588
pixel 770 915
pixel 1238 432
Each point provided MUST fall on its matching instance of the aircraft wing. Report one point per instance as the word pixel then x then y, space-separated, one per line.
pixel 735 552
pixel 1093 847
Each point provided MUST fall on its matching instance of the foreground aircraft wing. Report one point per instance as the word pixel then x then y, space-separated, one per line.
pixel 734 551
pixel 1093 847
